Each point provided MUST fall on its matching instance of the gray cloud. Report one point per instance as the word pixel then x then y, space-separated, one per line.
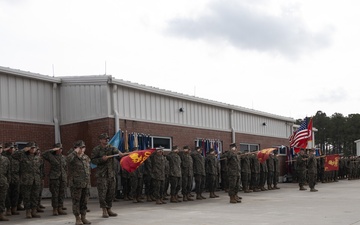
pixel 246 28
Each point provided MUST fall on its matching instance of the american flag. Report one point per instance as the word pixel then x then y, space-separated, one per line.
pixel 300 137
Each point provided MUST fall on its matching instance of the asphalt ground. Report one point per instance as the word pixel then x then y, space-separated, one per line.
pixel 334 203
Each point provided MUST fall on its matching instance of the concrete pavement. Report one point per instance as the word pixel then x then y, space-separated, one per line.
pixel 334 203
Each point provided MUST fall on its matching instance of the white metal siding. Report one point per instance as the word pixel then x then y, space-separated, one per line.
pixel 25 100
pixel 83 102
pixel 253 124
pixel 145 106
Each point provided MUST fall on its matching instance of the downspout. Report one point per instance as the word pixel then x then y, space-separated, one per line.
pixel 116 114
pixel 56 120
pixel 232 126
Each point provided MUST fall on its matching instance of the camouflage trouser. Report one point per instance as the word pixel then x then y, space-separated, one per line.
pixel 234 185
pixel 3 193
pixel 106 191
pixel 30 194
pixel 199 183
pixel 79 200
pixel 254 183
pixel 263 178
pixel 148 186
pixel 224 180
pixel 276 178
pixel 166 184
pixel 126 185
pixel 245 180
pixel 158 186
pixel 312 180
pixel 13 195
pixel 186 185
pixel 270 179
pixel 136 186
pixel 57 188
pixel 301 177
pixel 175 184
pixel 211 182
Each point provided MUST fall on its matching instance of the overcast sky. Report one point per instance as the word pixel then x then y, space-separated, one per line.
pixel 285 57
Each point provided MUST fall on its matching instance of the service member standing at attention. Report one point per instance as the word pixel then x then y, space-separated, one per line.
pixel 174 173
pixel 79 181
pixel 199 172
pixel 186 173
pixel 301 169
pixel 312 170
pixel 57 177
pixel 158 174
pixel 211 172
pixel 30 177
pixel 103 156
pixel 233 165
pixel 4 182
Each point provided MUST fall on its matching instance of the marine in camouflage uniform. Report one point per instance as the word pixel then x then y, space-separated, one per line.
pixel 199 172
pixel 312 170
pixel 263 175
pixel 136 182
pixel 271 170
pixel 14 184
pixel 276 171
pixel 4 182
pixel 211 169
pixel 102 156
pixel 166 182
pixel 79 181
pixel 187 173
pixel 149 191
pixel 301 169
pixel 233 164
pixel 40 207
pixel 158 174
pixel 255 172
pixel 174 173
pixel 224 173
pixel 245 172
pixel 57 177
pixel 30 177
pixel 125 181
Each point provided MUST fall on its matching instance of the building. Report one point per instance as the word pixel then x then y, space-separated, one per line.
pixel 47 110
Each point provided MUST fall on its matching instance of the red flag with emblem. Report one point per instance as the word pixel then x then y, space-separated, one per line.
pixel 132 161
pixel 331 162
pixel 263 154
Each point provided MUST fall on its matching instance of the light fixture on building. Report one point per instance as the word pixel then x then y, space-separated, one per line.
pixel 264 123
pixel 181 109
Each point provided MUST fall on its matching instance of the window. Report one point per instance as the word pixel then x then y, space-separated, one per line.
pixel 161 141
pixel 245 147
pixel 281 150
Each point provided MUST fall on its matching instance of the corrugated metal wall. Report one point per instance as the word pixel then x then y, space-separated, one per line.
pixel 81 102
pixel 140 105
pixel 26 100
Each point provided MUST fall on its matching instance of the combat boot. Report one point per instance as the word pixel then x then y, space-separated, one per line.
pixel 263 189
pixel 138 199
pixel 105 213
pixel 152 198
pixel 3 217
pixel 111 213
pixel 83 219
pixel 38 209
pixel 177 198
pixel 148 199
pixel 276 187
pixel 202 196
pixel 172 199
pixel 232 199
pixel 126 198
pixel 198 197
pixel 211 195
pixel 302 188
pixel 162 201
pixel 185 198
pixel 189 198
pixel 313 190
pixel 33 213
pixel 269 187
pixel 216 196
pixel 55 212
pixel 237 198
pixel 61 212
pixel 28 214
pixel 158 201
pixel 8 212
pixel 13 211
pixel 78 220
